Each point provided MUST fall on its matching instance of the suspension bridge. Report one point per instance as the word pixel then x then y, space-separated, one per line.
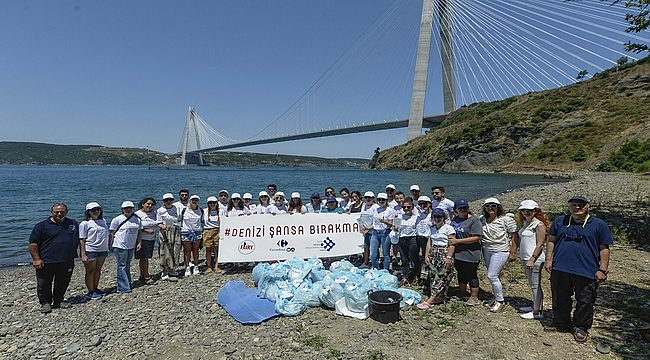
pixel 466 51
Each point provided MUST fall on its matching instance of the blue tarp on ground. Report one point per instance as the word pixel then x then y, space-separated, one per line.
pixel 243 304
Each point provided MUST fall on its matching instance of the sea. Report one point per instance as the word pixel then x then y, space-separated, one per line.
pixel 30 191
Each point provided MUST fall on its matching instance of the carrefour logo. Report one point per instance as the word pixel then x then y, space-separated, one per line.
pixel 246 247
pixel 282 243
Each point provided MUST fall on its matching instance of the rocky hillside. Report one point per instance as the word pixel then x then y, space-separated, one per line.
pixel 575 127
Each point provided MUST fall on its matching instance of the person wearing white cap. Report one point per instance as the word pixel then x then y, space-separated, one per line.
pixel 278 206
pixel 211 235
pixel 532 237
pixel 236 206
pixel 248 205
pixel 168 234
pixel 93 235
pixel 192 219
pixel 184 195
pixel 415 191
pixel 124 239
pixel 149 224
pixel 390 193
pixel 264 205
pixel 223 202
pixel 295 204
pixel 382 222
pixel 366 221
pixel 499 234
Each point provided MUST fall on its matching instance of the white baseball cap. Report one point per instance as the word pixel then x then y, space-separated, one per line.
pixel 168 196
pixel 248 196
pixel 369 194
pixel 263 193
pixel 127 204
pixel 223 191
pixel 382 196
pixel 212 199
pixel 295 195
pixel 528 205
pixel 424 198
pixel 415 187
pixel 235 196
pixel 195 197
pixel 280 193
pixel 92 205
pixel 491 201
pixel 389 186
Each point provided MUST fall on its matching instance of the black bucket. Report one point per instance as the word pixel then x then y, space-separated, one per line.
pixel 385 305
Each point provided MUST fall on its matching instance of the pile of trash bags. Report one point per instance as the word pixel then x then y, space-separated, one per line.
pixel 295 284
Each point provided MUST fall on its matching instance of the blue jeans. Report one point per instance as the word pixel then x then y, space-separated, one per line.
pixel 380 237
pixel 123 258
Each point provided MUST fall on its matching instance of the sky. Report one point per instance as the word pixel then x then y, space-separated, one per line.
pixel 123 73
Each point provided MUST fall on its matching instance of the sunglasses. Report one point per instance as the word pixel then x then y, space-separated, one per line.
pixel 527 210
pixel 382 200
pixel 490 206
pixel 438 217
pixel 184 195
pixel 407 207
pixel 96 210
pixel 212 203
pixel 463 208
pixel 195 200
pixel 435 192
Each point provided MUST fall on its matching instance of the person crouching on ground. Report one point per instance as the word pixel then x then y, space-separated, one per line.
pixel 577 256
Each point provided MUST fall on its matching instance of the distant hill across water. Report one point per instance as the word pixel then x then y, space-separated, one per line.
pixel 26 153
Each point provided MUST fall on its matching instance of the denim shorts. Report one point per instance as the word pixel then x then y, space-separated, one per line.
pixel 191 236
pixel 146 250
pixel 93 255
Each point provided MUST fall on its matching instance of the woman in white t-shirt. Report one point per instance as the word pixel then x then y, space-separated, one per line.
pixel 440 259
pixel 499 237
pixel 191 220
pixel 93 237
pixel 211 234
pixel 408 244
pixel 264 203
pixel 295 204
pixel 532 237
pixel 278 206
pixel 236 206
pixel 124 239
pixel 147 215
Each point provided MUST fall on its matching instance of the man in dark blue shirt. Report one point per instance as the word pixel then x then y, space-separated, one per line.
pixel 577 256
pixel 53 246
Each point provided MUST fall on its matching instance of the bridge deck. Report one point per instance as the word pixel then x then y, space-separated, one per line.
pixel 428 122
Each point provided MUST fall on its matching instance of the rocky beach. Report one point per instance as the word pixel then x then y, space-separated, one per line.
pixel 174 320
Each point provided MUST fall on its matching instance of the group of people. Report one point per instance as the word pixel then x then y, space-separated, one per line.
pixel 443 234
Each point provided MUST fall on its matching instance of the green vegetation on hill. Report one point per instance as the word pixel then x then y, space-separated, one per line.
pixel 633 156
pixel 21 153
pixel 576 127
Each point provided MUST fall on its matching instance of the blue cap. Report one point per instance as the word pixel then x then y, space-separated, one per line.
pixel 438 212
pixel 330 199
pixel 579 198
pixel 461 203
pixel 315 195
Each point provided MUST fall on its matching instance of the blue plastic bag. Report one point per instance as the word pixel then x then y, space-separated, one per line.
pixel 409 297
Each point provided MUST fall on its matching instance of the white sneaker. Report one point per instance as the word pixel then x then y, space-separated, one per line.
pixel 526 309
pixel 196 270
pixel 531 316
pixel 164 277
pixel 188 272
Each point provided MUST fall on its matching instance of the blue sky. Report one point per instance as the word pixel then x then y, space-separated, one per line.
pixel 123 73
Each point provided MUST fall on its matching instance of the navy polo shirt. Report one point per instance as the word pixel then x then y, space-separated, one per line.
pixel 56 243
pixel 577 248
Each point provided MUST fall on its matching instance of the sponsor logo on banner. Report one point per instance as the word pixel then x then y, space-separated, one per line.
pixel 246 247
pixel 283 245
pixel 324 245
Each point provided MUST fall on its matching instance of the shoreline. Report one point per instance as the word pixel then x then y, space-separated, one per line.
pixel 181 319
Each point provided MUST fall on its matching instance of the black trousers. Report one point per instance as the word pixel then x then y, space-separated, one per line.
pixel 563 286
pixel 60 274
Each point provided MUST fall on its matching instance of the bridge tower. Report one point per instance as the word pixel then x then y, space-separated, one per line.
pixel 191 120
pixel 416 114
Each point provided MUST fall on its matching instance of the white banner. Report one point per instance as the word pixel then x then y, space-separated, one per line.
pixel 279 237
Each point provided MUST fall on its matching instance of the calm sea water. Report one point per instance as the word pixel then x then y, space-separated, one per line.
pixel 30 191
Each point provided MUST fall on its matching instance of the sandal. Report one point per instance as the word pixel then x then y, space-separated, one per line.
pixel 402 282
pixel 150 281
pixel 424 306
